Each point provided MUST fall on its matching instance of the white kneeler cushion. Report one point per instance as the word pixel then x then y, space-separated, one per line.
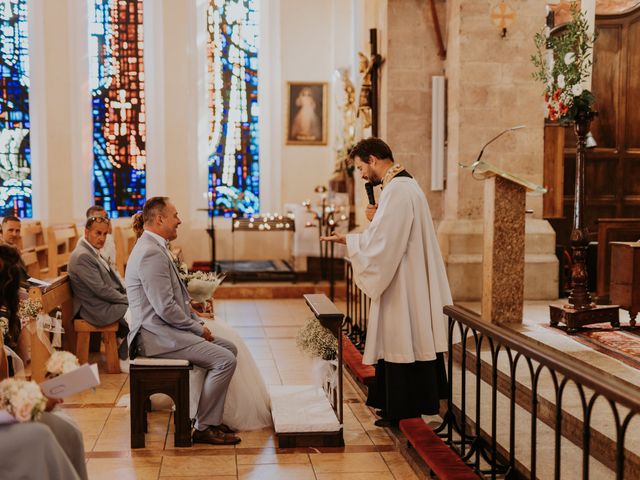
pixel 301 408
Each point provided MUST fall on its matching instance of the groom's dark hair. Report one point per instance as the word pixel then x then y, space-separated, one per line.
pixel 152 208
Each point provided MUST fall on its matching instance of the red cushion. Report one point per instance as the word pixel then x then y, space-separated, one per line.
pixel 353 358
pixel 444 462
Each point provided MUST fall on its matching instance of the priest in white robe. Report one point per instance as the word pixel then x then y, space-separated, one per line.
pixel 397 263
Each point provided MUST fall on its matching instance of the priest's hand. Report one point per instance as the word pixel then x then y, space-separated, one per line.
pixel 335 237
pixel 370 211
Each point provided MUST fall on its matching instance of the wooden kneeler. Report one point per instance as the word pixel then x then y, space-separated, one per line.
pixel 84 330
pixel 159 375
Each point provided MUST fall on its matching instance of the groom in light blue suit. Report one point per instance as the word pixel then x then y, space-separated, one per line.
pixel 164 326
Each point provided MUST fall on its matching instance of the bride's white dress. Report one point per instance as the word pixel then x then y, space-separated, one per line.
pixel 247 406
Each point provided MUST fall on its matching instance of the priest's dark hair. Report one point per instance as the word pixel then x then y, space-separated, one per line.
pixel 371 146
pixel 152 208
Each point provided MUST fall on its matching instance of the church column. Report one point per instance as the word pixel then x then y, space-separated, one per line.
pixel 490 89
pixel 60 104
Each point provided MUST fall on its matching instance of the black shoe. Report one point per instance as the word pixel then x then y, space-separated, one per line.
pixel 386 423
pixel 381 413
pixel 214 436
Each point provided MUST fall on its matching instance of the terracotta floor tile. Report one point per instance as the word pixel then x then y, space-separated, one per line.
pixel 269 458
pixel 281 332
pixel 356 476
pixel 124 468
pixel 200 477
pixel 399 466
pixel 348 463
pixel 275 472
pixel 199 465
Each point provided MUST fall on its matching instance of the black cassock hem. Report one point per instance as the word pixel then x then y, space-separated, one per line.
pixel 408 390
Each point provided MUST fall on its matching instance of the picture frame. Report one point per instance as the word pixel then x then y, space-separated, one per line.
pixel 306 113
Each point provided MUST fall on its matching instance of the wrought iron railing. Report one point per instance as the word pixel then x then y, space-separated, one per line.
pixel 357 315
pixel 482 348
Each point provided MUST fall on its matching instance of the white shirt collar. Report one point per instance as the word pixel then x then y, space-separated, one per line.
pixel 161 240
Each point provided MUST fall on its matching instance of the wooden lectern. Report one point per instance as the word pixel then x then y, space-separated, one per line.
pixel 503 250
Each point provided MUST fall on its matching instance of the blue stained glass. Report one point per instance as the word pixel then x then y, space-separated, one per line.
pixel 232 54
pixel 15 148
pixel 117 88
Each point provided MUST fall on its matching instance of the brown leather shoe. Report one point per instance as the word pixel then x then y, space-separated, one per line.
pixel 214 436
pixel 225 428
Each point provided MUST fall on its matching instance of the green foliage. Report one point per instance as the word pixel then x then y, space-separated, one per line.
pixel 562 63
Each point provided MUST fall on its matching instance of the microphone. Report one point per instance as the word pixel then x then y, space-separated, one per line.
pixel 369 188
pixel 517 127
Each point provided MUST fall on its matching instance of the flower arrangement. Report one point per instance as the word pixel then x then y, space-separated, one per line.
pixel 563 63
pixel 29 310
pixel 317 341
pixel 61 362
pixel 202 285
pixel 22 399
pixel 4 326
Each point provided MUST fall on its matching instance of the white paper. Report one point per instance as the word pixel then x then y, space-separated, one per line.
pixel 37 282
pixel 73 382
pixel 6 418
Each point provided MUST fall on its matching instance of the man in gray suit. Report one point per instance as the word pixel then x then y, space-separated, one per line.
pixel 99 297
pixel 164 326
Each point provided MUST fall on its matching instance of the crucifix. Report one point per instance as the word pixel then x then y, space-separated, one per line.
pixel 122 104
pixel 369 67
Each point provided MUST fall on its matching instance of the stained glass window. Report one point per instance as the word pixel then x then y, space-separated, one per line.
pixel 117 89
pixel 15 150
pixel 232 54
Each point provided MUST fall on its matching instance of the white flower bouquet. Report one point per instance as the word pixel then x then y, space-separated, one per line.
pixel 61 362
pixel 317 341
pixel 202 285
pixel 29 310
pixel 22 399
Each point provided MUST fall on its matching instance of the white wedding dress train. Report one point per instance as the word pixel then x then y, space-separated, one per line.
pixel 247 406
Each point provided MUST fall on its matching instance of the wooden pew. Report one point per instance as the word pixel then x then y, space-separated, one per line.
pixel 125 239
pixel 62 239
pixel 30 258
pixel 33 238
pixel 57 295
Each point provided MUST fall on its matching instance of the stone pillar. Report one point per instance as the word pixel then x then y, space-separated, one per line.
pixel 503 262
pixel 490 89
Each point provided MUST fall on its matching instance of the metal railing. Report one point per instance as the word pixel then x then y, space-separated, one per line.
pixel 481 348
pixel 357 316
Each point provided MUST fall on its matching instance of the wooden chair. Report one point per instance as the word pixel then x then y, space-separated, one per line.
pixel 30 259
pixel 159 375
pixel 83 331
pixel 125 239
pixel 33 238
pixel 62 239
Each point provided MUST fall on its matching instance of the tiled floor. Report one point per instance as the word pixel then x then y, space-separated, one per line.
pixel 269 328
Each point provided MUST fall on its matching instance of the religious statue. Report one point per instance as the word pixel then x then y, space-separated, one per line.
pixel 366 102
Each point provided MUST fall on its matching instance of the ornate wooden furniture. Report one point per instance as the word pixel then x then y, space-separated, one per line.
pixel 159 375
pixel 625 277
pixel 612 230
pixel 83 332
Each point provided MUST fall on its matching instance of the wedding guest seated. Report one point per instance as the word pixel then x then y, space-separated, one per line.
pixel 11 231
pixel 99 296
pixel 52 447
pixel 108 251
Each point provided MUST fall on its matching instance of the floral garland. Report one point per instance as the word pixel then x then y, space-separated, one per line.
pixel 28 310
pixel 61 362
pixel 563 63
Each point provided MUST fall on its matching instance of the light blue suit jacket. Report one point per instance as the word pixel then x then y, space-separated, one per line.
pixel 158 300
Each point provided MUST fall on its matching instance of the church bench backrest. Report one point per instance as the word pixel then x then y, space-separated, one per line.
pixel 30 259
pixel 33 237
pixel 62 239
pixel 125 239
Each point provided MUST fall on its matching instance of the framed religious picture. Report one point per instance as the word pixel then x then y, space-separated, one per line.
pixel 306 113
